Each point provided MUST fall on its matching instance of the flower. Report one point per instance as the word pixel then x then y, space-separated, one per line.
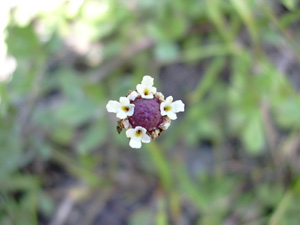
pixel 144 113
pixel 137 135
pixel 170 108
pixel 146 89
pixel 122 108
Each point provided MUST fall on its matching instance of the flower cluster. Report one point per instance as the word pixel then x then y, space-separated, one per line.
pixel 144 113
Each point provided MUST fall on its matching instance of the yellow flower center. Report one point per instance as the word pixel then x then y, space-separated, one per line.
pixel 125 108
pixel 167 108
pixel 146 91
pixel 138 133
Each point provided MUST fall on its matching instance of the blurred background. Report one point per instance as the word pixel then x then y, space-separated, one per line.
pixel 231 158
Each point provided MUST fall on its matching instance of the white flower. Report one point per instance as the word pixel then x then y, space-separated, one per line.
pixel 146 89
pixel 137 136
pixel 122 108
pixel 170 108
pixel 133 95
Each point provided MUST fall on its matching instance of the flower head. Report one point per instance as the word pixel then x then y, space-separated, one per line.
pixel 144 113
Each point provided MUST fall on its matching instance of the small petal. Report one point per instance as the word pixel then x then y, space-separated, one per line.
pixel 147 80
pixel 153 90
pixel 131 110
pixel 130 133
pixel 126 124
pixel 149 96
pixel 169 100
pixel 134 143
pixel 178 106
pixel 124 101
pixel 140 88
pixel 146 138
pixel 121 114
pixel 172 115
pixel 141 128
pixel 133 95
pixel 113 106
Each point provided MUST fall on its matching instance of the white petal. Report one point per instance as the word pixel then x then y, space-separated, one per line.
pixel 149 96
pixel 126 124
pixel 162 109
pixel 133 95
pixel 169 100
pixel 131 110
pixel 133 143
pixel 153 90
pixel 140 88
pixel 146 138
pixel 121 114
pixel 172 115
pixel 113 106
pixel 178 106
pixel 124 101
pixel 130 133
pixel 141 128
pixel 147 80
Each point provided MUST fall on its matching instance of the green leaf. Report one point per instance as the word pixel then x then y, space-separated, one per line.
pixel 287 112
pixel 253 135
pixel 165 29
pixel 290 4
pixel 22 41
pixel 11 155
pixel 215 14
pixel 75 113
pixel 60 134
pixel 209 78
pixel 45 204
pixel 19 182
pixel 244 10
pixel 93 137
pixel 142 216
pixel 166 52
pixel 70 82
pixel 212 50
pixel 3 100
pixel 161 217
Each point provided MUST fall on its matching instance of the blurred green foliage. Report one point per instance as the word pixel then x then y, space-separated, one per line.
pixel 74 56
